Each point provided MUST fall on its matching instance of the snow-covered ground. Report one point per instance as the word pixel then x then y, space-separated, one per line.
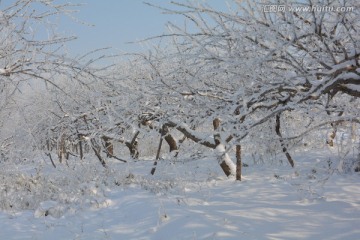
pixel 189 200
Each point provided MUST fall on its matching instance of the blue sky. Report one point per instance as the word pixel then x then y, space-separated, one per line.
pixel 117 22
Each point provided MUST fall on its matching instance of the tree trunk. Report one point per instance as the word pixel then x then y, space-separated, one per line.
pixel 284 149
pixel 52 162
pixel 238 162
pixel 178 147
pixel 216 124
pixel 80 147
pixel 61 148
pixel 169 139
pixel 109 147
pixel 133 146
pixel 158 152
pixel 332 135
pixel 225 167
pixel 224 158
pixel 353 132
pixel 95 147
pixel 48 145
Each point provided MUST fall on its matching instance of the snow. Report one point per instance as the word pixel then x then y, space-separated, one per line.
pixel 272 202
pixel 353 87
pixel 5 72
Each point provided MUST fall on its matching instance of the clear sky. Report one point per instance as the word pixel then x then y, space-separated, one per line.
pixel 117 22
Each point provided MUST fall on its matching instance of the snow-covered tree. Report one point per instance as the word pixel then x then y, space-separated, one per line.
pixel 33 55
pixel 253 70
